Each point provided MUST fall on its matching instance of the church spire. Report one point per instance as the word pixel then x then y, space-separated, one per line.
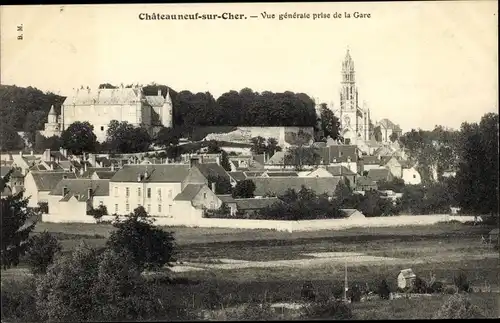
pixel 52 111
pixel 348 68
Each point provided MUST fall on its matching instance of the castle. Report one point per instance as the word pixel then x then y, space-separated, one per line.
pixel 100 106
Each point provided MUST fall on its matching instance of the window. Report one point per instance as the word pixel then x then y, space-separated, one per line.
pixel 204 195
pixel 169 194
pixel 139 191
pixel 127 191
pixel 102 128
pixel 116 191
pixel 169 209
pixel 127 207
pixel 148 209
pixel 149 193
pixel 116 208
pixel 159 208
pixel 158 193
pixel 414 176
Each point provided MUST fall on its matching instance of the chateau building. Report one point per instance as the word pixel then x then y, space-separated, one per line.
pixel 99 107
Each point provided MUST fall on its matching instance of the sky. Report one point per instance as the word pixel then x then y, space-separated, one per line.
pixel 418 64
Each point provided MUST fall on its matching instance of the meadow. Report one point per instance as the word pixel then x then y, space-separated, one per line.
pixel 443 249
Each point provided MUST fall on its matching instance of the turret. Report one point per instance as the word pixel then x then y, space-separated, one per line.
pixel 166 113
pixel 52 117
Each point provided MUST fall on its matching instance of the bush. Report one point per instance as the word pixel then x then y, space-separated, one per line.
pixel 450 290
pixel 420 286
pixel 307 293
pixel 461 282
pixel 436 287
pixel 19 301
pixel 383 290
pixel 331 309
pixel 355 294
pixel 256 311
pixel 458 306
pixel 43 248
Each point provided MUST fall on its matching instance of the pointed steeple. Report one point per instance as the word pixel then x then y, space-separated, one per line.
pixel 348 64
pixel 52 111
pixel 167 97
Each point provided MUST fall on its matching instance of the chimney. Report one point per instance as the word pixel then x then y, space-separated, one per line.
pixel 139 177
pixel 21 153
pixel 31 153
pixel 112 167
pixel 81 171
pixel 89 193
pixel 146 174
pixel 92 160
pixel 51 166
pixel 159 92
pixel 193 162
pixel 61 150
pixel 85 166
pixel 65 191
pixel 217 159
pixel 213 187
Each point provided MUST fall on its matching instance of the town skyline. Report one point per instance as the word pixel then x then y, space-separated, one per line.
pixel 430 70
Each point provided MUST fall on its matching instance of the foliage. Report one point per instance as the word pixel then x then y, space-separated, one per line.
pixel 42 143
pixel 150 246
pixel 123 137
pixel 355 294
pixel 433 198
pixel 244 189
pixel 15 226
pixel 19 300
pixel 393 137
pixel 458 306
pixel 377 134
pixel 420 286
pixel 384 290
pixel 477 176
pixel 79 137
pixel 222 184
pixel 9 138
pixel 461 282
pixel 213 147
pixel 43 247
pixel 374 204
pixel 330 124
pixel 99 212
pixel 223 212
pixel 167 137
pixel 257 311
pixel 302 156
pixel 396 184
pixel 307 293
pixel 329 309
pixel 260 146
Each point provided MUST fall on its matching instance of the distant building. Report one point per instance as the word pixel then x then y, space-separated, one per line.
pixel 406 279
pixel 387 127
pixel 100 106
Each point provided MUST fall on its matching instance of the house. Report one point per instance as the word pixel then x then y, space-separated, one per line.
pixel 151 186
pixel 103 174
pixel 244 162
pixel 411 176
pixel 277 173
pixel 365 184
pixel 72 199
pixel 38 185
pixel 334 171
pixel 369 162
pixel 55 155
pixel 193 199
pixel 276 186
pixel 380 174
pixel 16 177
pixel 406 279
pixel 353 214
pixel 387 127
pixel 214 170
pixel 344 155
pixel 237 176
pixel 24 162
pixel 494 237
pixel 277 161
pixel 393 165
pixel 247 205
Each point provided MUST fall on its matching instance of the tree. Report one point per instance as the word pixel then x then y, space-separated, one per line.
pixel 330 124
pixel 383 290
pixel 42 143
pixel 222 184
pixel 393 137
pixel 396 184
pixel 16 225
pixel 79 137
pixel 43 248
pixel 377 133
pixel 149 246
pixel 262 146
pixel 123 137
pixel 9 138
pixel 244 189
pixel 302 156
pixel 458 306
pixel 167 137
pixel 214 148
pixel 99 212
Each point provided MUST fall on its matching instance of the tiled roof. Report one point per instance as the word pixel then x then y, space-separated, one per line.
pixel 237 176
pixel 104 161
pixel 259 158
pixel 388 124
pixel 255 203
pixel 107 174
pixel 339 170
pixel 5 169
pixel 65 164
pixel 212 169
pixel 281 174
pixel 349 212
pixel 92 170
pixel 55 165
pixel 103 96
pixel 365 181
pixel 277 159
pixel 58 154
pixel 47 180
pixel 370 160
pixel 80 186
pixel 189 192
pixel 378 174
pixel 338 153
pixel 254 174
pixel 38 167
pixel 168 173
pixel 226 198
pixel 155 100
pixel 279 185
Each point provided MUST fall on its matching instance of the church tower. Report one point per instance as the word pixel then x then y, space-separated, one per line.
pixel 166 111
pixel 349 114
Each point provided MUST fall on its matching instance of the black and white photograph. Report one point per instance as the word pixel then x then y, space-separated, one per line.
pixel 249 161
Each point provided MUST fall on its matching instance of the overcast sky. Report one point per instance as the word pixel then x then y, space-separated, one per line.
pixel 418 64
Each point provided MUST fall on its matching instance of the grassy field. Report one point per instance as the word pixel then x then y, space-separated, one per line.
pixel 444 249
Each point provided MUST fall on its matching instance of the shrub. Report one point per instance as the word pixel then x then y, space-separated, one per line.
pixel 420 286
pixel 355 294
pixel 436 287
pixel 450 290
pixel 461 282
pixel 18 301
pixel 307 293
pixel 150 246
pixel 458 306
pixel 256 311
pixel 330 309
pixel 41 252
pixel 383 290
